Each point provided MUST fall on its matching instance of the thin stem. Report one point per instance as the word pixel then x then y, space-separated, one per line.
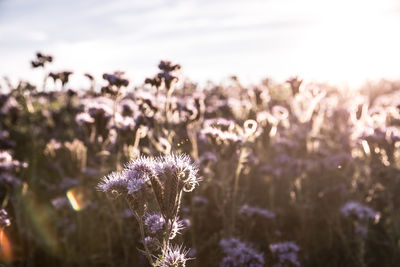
pixel 235 192
pixel 117 165
pixel 45 76
pixel 193 140
pixel 193 227
pixel 140 222
pixel 166 234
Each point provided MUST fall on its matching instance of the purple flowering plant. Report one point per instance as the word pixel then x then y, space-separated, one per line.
pixel 146 181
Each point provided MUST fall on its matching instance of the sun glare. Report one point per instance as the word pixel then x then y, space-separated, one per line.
pixel 5 247
pixel 76 198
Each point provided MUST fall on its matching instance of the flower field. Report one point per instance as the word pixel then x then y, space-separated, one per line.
pixel 169 173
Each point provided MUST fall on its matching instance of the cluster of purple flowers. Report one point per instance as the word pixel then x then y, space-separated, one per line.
pixel 295 151
pixel 138 172
pixel 167 176
pixel 239 254
pixel 7 162
pixel 173 256
pixel 286 252
pixel 250 211
pixel 155 223
pixel 360 211
pixel 9 168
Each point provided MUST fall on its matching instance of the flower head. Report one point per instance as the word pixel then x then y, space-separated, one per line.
pixel 250 211
pixel 359 210
pixel 135 185
pixel 239 253
pixel 140 168
pixel 4 219
pixel 286 253
pixel 7 163
pixel 115 183
pixel 180 166
pixel 173 256
pixel 155 223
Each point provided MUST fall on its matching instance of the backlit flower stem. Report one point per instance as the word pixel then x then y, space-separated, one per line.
pixel 235 192
pixel 141 229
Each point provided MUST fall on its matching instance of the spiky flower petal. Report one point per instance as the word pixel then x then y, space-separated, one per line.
pixel 173 256
pixel 181 166
pixel 155 223
pixel 115 183
pixel 140 168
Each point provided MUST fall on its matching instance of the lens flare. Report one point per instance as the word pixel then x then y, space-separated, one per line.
pixel 41 218
pixel 365 146
pixel 77 198
pixel 5 248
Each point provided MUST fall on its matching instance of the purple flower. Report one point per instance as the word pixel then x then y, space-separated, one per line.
pixel 140 168
pixel 200 200
pixel 7 163
pixel 359 210
pixel 115 183
pixel 8 179
pixel 284 247
pixel 286 253
pixel 135 185
pixel 250 211
pixel 155 223
pixel 239 254
pixel 131 180
pixel 181 166
pixel 208 157
pixel 173 256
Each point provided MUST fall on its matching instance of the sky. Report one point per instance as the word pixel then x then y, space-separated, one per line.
pixel 340 41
